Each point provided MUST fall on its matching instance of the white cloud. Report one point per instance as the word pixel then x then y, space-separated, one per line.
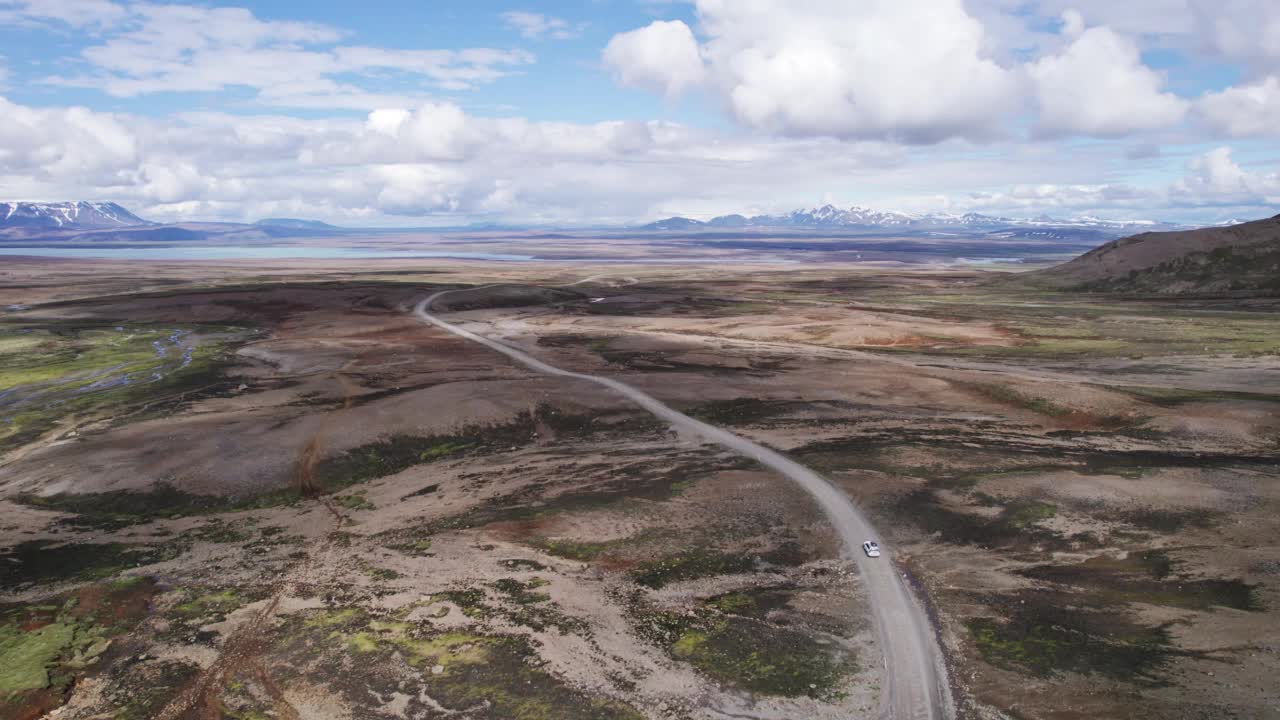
pixel 1212 182
pixel 1251 110
pixel 536 26
pixel 61 142
pixel 1246 31
pixel 907 69
pixel 1098 86
pixel 75 13
pixel 1217 176
pixel 437 163
pixel 662 56
pixel 183 48
pixel 915 71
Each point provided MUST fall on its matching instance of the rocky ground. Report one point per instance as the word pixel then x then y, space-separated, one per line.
pixel 336 511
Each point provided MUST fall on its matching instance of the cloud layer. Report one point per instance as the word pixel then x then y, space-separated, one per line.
pixel 993 105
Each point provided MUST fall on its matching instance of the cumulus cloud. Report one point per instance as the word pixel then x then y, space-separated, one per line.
pixel 908 69
pixel 536 26
pixel 1217 176
pixel 1098 85
pixel 914 71
pixel 662 56
pixel 438 163
pixel 54 143
pixel 1251 110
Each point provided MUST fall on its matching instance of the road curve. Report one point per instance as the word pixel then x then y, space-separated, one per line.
pixel 915 681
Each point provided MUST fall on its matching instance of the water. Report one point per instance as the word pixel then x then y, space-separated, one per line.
pixel 229 252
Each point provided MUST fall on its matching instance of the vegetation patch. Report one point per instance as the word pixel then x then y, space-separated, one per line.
pixel 1169 521
pixel 570 549
pixel 1044 635
pixel 744 411
pixel 701 562
pixel 212 606
pixel 1015 525
pixel 1147 577
pixel 489 676
pixel 751 654
pixel 755 603
pixel 353 501
pixel 41 562
pixel 58 370
pixel 141 690
pixel 44 647
pixel 121 508
pixel 609 485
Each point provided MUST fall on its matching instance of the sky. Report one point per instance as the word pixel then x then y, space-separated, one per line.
pixel 591 112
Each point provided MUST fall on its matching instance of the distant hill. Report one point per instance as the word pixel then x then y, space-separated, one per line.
pixel 856 218
pixel 1240 259
pixel 673 223
pixel 66 216
pixel 296 224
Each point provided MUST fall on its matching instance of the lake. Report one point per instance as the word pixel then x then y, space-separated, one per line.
pixel 227 252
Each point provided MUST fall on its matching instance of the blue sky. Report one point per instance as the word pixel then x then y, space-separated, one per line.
pixel 625 110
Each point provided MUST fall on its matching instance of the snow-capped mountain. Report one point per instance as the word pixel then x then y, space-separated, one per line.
pixel 66 216
pixel 856 217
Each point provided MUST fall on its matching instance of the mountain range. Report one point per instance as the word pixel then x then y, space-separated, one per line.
pixel 856 217
pixel 62 220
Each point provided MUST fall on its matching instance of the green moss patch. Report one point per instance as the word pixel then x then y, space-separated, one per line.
pixel 755 603
pixel 61 370
pixel 691 565
pixel 750 654
pixel 45 646
pixel 490 676
pixel 39 562
pixel 701 562
pixel 1043 635
pixel 217 604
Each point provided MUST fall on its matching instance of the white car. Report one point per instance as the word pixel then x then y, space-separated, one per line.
pixel 871 548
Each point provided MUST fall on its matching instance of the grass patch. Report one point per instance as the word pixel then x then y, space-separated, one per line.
pixel 44 647
pixel 1044 636
pixel 353 501
pixel 691 565
pixel 495 676
pixel 750 654
pixel 1017 523
pixel 215 604
pixel 571 549
pixel 743 411
pixel 1147 577
pixel 756 603
pixel 56 371
pixel 40 562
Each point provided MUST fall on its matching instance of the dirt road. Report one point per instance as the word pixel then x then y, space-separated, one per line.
pixel 915 680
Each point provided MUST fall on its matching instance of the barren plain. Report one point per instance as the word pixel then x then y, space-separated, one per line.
pixel 239 491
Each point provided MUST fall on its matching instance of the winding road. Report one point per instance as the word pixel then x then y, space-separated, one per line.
pixel 915 678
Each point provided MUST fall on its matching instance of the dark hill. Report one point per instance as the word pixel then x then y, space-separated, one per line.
pixel 1239 259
